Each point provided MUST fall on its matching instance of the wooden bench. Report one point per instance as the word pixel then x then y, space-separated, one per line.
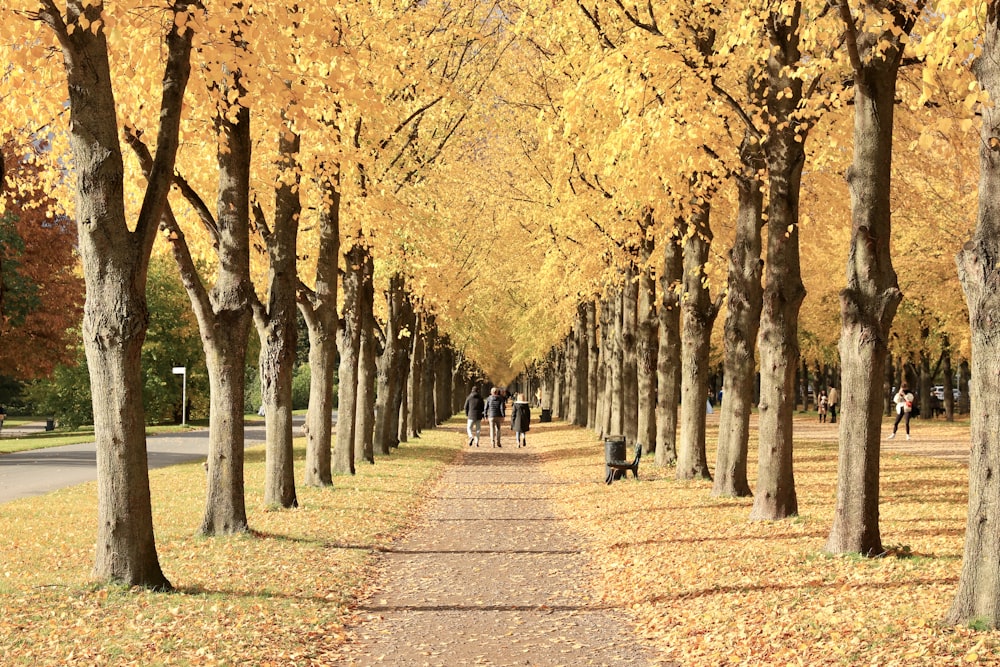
pixel 624 466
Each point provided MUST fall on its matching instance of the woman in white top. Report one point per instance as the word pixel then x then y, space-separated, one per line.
pixel 904 405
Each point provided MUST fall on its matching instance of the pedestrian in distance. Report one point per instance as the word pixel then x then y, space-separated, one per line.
pixel 832 400
pixel 475 408
pixel 904 406
pixel 520 420
pixel 824 404
pixel 494 415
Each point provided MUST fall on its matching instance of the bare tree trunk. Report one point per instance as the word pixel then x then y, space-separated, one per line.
pixel 783 289
pixel 646 349
pixel 319 310
pixel 668 356
pixel 630 373
pixel 415 385
pixel 869 301
pixel 978 594
pixel 593 361
pixel 741 327
pixel 617 359
pixel 349 343
pixel 393 367
pixel 365 428
pixel 698 316
pixel 276 327
pixel 115 261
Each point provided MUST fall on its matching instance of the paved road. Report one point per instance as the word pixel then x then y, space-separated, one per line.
pixel 40 471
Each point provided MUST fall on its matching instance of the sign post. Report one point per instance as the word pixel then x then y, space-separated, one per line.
pixel 182 370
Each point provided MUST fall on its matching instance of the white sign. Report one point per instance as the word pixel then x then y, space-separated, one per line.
pixel 180 370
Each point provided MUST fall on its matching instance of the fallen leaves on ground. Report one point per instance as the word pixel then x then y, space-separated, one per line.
pixel 276 596
pixel 709 587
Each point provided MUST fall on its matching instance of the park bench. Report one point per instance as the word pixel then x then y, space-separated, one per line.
pixel 614 466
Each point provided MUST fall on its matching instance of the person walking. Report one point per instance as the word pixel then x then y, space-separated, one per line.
pixel 904 405
pixel 823 405
pixel 495 413
pixel 520 420
pixel 832 401
pixel 475 408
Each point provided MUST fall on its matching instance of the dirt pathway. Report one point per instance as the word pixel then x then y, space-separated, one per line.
pixel 490 577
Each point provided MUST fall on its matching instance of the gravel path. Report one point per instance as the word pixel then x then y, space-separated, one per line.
pixel 490 577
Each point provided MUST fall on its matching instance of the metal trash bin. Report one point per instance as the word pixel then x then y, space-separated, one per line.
pixel 546 415
pixel 50 424
pixel 614 450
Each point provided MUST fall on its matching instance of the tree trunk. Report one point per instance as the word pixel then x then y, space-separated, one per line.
pixel 630 373
pixel 978 594
pixel 349 344
pixel 276 327
pixel 224 320
pixel 603 412
pixel 593 359
pixel 364 430
pixel 698 317
pixel 869 301
pixel 319 310
pixel 617 359
pixel 668 356
pixel 742 324
pixel 393 367
pixel 783 289
pixel 224 316
pixel 415 384
pixel 646 349
pixel 115 262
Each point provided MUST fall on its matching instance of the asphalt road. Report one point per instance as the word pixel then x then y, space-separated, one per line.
pixel 39 471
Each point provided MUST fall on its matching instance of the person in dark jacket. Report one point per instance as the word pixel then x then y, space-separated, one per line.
pixel 474 410
pixel 520 420
pixel 494 415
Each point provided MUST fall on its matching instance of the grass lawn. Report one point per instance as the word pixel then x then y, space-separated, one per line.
pixel 59 437
pixel 276 596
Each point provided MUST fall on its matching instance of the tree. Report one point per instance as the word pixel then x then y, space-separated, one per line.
pixel 978 594
pixel 115 258
pixel 41 293
pixel 869 302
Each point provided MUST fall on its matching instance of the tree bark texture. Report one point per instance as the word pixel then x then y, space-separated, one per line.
pixel 868 303
pixel 393 366
pixel 783 288
pixel 617 361
pixel 115 261
pixel 698 314
pixel 646 349
pixel 740 334
pixel 629 340
pixel 276 326
pixel 978 594
pixel 593 359
pixel 364 431
pixel 415 383
pixel 319 310
pixel 224 320
pixel 668 356
pixel 349 344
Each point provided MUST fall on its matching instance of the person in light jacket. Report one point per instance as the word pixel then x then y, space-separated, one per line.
pixel 494 415
pixel 520 420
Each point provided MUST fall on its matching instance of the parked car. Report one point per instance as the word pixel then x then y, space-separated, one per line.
pixel 938 392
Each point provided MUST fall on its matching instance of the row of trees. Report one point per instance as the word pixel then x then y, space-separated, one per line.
pixel 761 80
pixel 507 174
pixel 334 138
